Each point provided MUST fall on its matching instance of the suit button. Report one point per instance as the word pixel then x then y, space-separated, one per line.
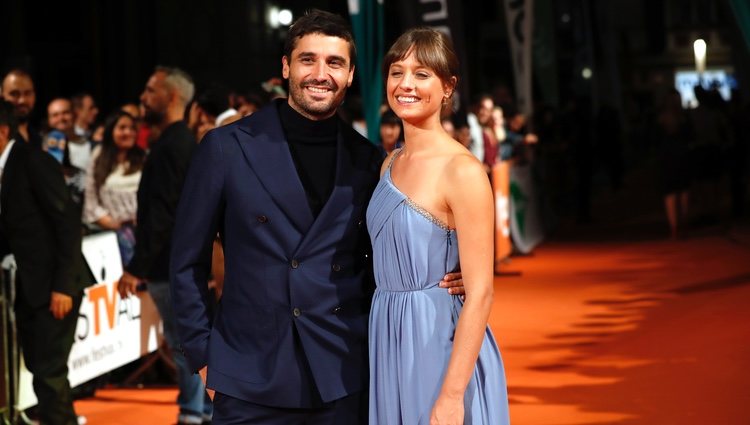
pixel 360 223
pixel 337 310
pixel 296 312
pixel 294 264
pixel 336 268
pixel 262 219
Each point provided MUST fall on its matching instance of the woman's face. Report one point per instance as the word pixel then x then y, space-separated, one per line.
pixel 124 133
pixel 415 93
pixel 497 117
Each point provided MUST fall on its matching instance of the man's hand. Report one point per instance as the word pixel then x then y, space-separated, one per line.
pixel 203 373
pixel 60 304
pixel 454 282
pixel 127 285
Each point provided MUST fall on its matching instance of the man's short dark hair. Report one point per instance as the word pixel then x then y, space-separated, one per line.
pixel 317 21
pixel 8 117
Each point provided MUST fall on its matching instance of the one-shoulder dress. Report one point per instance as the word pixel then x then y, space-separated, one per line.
pixel 413 321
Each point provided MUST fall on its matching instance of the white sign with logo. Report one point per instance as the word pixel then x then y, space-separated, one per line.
pixel 111 331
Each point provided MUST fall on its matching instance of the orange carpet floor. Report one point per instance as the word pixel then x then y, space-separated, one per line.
pixel 595 332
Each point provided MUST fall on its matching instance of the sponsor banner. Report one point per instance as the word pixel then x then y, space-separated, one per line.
pixel 519 15
pixel 111 331
pixel 525 222
pixel 501 189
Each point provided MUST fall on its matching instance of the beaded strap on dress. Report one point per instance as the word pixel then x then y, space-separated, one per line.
pixel 413 205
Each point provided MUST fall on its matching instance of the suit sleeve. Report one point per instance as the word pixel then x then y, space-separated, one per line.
pixel 155 228
pixel 50 191
pixel 197 221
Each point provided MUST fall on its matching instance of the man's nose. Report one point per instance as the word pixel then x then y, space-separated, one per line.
pixel 320 70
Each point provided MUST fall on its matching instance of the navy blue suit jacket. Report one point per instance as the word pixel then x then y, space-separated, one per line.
pixel 291 327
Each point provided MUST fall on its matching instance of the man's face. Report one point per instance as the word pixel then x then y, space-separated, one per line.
pixel 155 98
pixel 19 90
pixel 319 72
pixel 88 111
pixel 60 115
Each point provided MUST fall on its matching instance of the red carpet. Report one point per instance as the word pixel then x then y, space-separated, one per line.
pixel 650 332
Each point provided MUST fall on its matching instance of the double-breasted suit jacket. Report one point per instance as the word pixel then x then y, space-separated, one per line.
pixel 291 326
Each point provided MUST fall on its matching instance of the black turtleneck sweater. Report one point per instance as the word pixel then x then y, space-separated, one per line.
pixel 313 148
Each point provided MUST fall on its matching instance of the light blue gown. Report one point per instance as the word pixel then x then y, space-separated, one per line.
pixel 412 320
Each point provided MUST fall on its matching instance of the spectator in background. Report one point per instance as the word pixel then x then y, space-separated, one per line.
pixel 211 109
pixel 479 117
pixel 77 150
pixel 42 228
pixel 143 129
pixel 390 132
pixel 514 133
pixel 18 89
pixel 167 93
pixel 112 182
pixel 97 134
pixel 672 136
pixel 447 124
pixel 248 103
pixel 463 132
pixel 84 112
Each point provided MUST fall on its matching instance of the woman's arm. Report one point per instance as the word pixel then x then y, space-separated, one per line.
pixel 469 197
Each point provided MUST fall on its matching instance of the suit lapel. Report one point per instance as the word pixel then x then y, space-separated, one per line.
pixel 343 189
pixel 267 152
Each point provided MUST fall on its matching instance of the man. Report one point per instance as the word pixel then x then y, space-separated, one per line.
pixel 85 112
pixel 287 189
pixel 42 228
pixel 164 99
pixel 78 150
pixel 18 89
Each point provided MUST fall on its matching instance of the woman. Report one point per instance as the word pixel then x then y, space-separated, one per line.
pixel 433 359
pixel 112 181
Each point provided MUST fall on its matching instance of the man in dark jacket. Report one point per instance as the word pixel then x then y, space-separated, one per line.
pixel 42 228
pixel 164 99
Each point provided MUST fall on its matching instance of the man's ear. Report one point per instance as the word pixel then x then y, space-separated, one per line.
pixel 351 77
pixel 285 67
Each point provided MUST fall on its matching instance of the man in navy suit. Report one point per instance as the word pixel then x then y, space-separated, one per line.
pixel 287 189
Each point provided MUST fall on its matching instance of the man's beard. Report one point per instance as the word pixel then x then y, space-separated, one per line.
pixel 23 118
pixel 152 117
pixel 313 109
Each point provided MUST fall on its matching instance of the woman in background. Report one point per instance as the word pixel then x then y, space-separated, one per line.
pixel 112 181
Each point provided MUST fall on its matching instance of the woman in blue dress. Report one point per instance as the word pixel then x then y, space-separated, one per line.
pixel 433 359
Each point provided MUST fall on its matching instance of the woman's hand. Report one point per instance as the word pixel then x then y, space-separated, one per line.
pixel 447 411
